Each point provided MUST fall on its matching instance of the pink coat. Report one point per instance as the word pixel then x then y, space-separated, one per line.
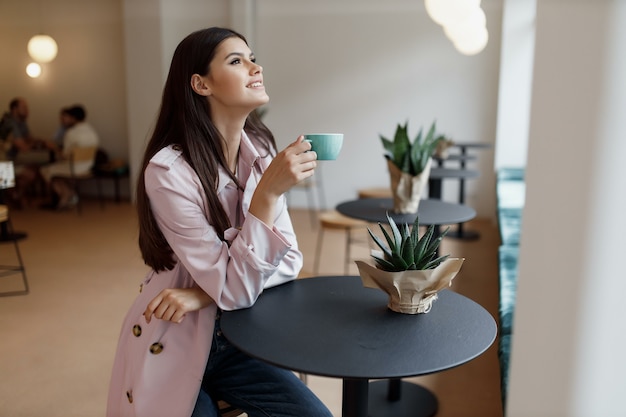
pixel 159 366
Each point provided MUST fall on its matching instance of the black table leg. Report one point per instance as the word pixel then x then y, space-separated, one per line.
pixel 460 233
pixel 434 188
pixel 396 398
pixel 355 394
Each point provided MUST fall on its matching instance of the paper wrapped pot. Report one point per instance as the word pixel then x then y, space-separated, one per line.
pixel 406 188
pixel 413 291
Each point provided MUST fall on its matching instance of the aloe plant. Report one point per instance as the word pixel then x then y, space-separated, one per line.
pixel 405 250
pixel 411 157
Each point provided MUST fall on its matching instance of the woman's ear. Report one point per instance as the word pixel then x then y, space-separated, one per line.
pixel 199 85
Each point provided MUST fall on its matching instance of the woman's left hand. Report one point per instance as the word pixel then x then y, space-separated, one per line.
pixel 173 303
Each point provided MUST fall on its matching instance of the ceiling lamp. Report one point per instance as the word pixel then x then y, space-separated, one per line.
pixel 42 48
pixel 463 21
pixel 33 70
pixel 445 11
pixel 473 43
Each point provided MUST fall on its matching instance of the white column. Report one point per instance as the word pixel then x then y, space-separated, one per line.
pixel 568 339
pixel 243 15
pixel 516 66
pixel 144 75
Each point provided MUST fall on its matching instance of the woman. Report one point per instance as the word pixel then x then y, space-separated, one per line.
pixel 215 230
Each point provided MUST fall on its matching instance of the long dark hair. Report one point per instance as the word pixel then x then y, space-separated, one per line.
pixel 184 119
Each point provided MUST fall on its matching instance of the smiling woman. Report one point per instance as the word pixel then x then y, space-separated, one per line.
pixel 214 228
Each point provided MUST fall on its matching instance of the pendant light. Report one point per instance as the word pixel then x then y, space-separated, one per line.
pixel 42 48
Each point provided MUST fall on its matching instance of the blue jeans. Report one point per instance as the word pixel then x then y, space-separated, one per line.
pixel 253 386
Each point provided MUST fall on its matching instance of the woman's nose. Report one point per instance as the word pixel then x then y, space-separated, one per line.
pixel 257 69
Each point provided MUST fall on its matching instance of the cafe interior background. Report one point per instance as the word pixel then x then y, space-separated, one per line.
pixel 546 92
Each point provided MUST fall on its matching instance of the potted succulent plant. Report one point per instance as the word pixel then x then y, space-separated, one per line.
pixel 409 165
pixel 442 148
pixel 408 267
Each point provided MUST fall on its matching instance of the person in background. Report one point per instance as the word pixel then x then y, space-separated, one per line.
pixel 78 133
pixel 57 139
pixel 215 230
pixel 27 152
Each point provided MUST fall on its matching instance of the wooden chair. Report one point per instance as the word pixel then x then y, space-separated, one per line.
pixel 78 155
pixel 8 235
pixel 335 220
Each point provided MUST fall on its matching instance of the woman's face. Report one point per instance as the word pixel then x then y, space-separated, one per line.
pixel 234 79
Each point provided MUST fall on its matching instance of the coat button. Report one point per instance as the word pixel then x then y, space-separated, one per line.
pixel 129 395
pixel 156 348
pixel 137 330
pixel 177 147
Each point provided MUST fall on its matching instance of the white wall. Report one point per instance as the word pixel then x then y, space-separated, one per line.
pixel 567 356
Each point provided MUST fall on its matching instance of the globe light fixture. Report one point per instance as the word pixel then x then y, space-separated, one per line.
pixel 448 11
pixel 33 70
pixel 42 48
pixel 473 42
pixel 470 24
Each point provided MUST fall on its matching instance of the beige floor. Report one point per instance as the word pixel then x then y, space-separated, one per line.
pixel 58 341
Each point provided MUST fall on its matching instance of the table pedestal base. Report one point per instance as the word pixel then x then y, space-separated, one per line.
pixel 414 401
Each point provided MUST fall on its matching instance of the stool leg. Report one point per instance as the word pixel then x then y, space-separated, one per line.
pixel 318 249
pixel 346 262
pixel 21 269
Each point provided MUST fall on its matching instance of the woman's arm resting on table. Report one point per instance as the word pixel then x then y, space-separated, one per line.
pixel 173 303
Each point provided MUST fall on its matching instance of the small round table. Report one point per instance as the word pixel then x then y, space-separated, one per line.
pixel 335 327
pixel 430 211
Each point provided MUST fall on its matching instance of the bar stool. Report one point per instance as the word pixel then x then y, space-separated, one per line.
pixel 311 186
pixel 8 235
pixel 335 220
pixel 375 192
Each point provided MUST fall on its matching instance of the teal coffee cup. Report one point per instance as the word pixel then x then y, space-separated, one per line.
pixel 325 145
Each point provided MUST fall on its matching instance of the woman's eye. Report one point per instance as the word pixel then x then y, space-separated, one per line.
pixel 253 59
pixel 235 61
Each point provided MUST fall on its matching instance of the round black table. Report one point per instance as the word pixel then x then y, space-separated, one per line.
pixel 430 211
pixel 335 327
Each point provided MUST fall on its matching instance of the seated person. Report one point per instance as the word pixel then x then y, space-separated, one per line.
pixel 79 133
pixel 18 145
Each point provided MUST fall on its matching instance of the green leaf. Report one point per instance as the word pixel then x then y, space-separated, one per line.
pixel 387 145
pixel 422 246
pixel 398 262
pixel 435 262
pixel 396 232
pixel 401 145
pixel 380 243
pixel 384 264
pixel 390 241
pixel 407 251
pixel 434 245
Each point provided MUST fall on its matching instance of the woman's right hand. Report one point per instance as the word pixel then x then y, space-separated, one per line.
pixel 288 168
pixel 173 304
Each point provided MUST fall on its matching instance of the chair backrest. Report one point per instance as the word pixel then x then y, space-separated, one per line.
pixel 4 213
pixel 82 154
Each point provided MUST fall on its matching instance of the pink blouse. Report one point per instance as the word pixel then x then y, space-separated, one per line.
pixel 159 366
